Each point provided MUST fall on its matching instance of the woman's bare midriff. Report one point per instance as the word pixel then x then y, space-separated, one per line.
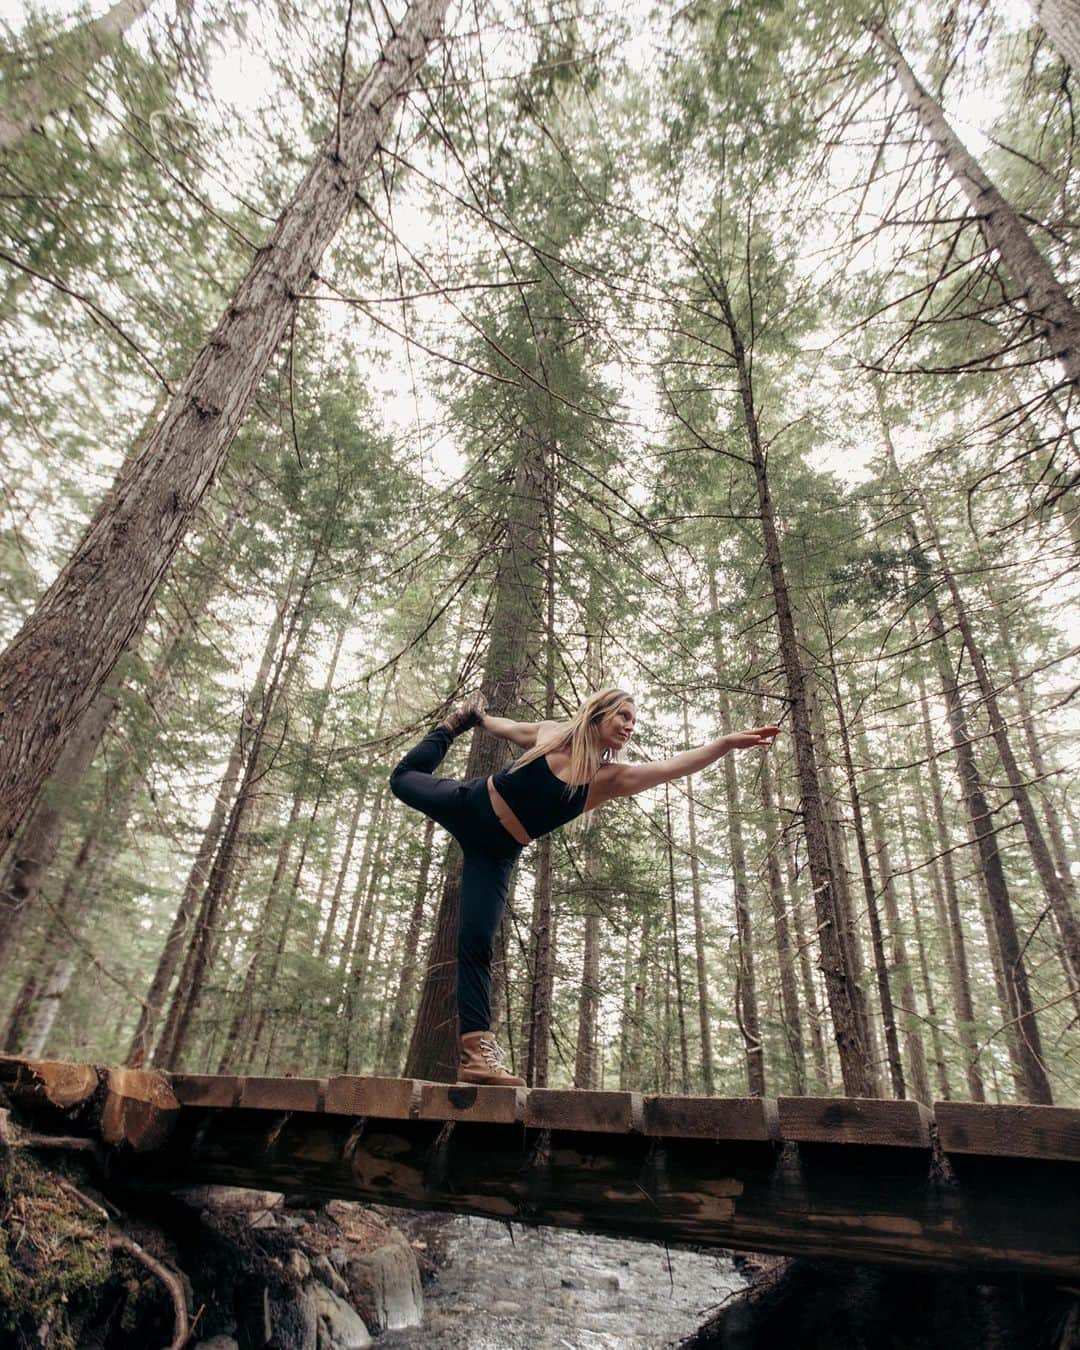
pixel 507 819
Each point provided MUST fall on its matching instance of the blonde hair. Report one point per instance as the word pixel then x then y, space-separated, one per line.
pixel 580 737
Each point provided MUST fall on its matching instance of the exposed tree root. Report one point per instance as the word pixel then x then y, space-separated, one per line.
pixel 169 1278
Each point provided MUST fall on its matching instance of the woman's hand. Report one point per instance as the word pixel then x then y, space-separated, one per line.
pixel 747 740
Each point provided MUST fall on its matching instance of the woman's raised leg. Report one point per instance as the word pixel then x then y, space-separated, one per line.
pixel 413 781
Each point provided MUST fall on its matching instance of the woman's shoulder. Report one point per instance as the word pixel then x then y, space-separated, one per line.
pixel 548 731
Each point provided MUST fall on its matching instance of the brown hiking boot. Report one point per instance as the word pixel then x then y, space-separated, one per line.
pixel 482 1062
pixel 466 714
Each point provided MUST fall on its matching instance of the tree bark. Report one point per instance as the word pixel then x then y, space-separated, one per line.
pixel 704 1020
pixel 680 999
pixel 38 842
pixel 585 1057
pixel 870 894
pixel 1045 299
pixel 789 997
pixel 745 984
pixel 850 935
pixel 1023 1031
pixel 913 1041
pixel 61 659
pixel 542 987
pixel 929 997
pixel 143 1038
pixel 63 82
pixel 952 932
pixel 1061 20
pixel 840 980
pixel 395 1036
pixel 1059 890
pixel 189 987
pixel 518 585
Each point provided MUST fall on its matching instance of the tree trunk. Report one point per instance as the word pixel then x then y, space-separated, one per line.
pixel 327 938
pixel 746 1005
pixel 61 659
pixel 270 981
pixel 929 997
pixel 909 1022
pixel 850 936
pixel 633 1077
pixel 189 988
pixel 704 1020
pixel 38 842
pixel 789 997
pixel 30 860
pixel 1061 20
pixel 952 932
pixel 395 1036
pixel 589 996
pixel 18 1030
pixel 818 1050
pixel 143 1037
pixel 680 999
pixel 542 991
pixel 1045 299
pixel 63 82
pixel 433 1048
pixel 1059 890
pixel 870 894
pixel 1023 1031
pixel 840 980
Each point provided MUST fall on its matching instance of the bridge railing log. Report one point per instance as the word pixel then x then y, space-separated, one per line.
pixel 959 1185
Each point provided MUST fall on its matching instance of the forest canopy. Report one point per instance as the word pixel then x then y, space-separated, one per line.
pixel 354 358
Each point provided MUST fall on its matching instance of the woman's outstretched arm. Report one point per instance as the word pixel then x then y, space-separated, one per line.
pixel 506 729
pixel 627 779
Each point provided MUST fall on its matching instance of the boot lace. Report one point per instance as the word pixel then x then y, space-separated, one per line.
pixel 493 1054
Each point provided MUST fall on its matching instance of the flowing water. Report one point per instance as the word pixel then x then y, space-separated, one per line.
pixel 554 1289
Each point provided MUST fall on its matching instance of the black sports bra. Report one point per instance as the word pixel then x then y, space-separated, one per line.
pixel 539 798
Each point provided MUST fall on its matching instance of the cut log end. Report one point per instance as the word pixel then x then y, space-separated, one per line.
pixel 139 1109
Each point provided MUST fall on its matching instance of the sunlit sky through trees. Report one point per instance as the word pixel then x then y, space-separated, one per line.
pixel 687 248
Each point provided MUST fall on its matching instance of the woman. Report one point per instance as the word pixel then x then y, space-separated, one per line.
pixel 567 768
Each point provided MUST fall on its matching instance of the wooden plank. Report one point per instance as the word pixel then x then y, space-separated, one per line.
pixel 391 1098
pixel 556 1109
pixel 206 1089
pixel 711 1117
pixel 869 1205
pixel 854 1120
pixel 138 1109
pixel 54 1081
pixel 1013 1131
pixel 282 1094
pixel 494 1105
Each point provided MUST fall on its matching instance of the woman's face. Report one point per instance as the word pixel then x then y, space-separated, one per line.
pixel 617 726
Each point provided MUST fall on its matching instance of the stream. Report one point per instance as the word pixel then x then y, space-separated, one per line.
pixel 555 1289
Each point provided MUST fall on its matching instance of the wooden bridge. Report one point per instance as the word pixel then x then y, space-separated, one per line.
pixel 965 1186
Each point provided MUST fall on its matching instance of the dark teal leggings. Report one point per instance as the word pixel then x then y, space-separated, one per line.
pixel 489 852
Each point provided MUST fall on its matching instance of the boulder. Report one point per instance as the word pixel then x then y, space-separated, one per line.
pixel 324 1271
pixel 293 1320
pixel 297 1264
pixel 230 1199
pixel 217 1343
pixel 385 1285
pixel 338 1326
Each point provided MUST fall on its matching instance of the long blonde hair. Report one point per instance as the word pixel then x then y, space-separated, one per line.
pixel 580 737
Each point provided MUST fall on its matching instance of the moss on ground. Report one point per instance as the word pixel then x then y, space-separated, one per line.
pixel 58 1275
